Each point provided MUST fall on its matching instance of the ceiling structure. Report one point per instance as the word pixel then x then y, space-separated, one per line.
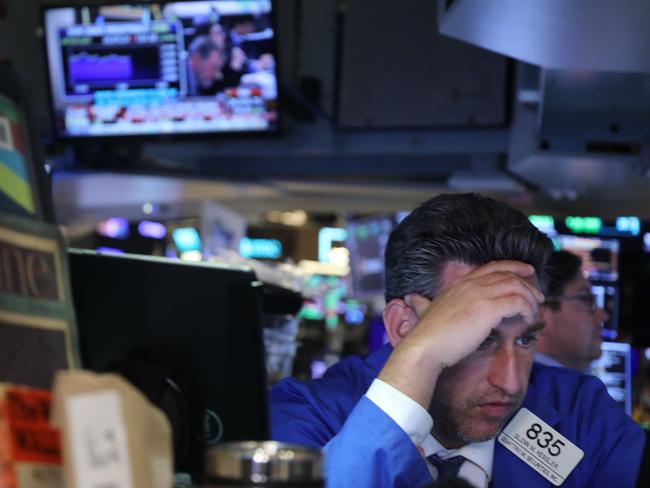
pixel 404 112
pixel 555 34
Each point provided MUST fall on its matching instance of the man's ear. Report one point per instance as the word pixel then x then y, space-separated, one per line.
pixel 399 319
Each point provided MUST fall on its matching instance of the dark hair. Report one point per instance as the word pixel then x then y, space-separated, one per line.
pixel 467 228
pixel 202 46
pixel 562 267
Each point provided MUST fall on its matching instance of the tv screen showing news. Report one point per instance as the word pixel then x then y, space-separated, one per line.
pixel 162 68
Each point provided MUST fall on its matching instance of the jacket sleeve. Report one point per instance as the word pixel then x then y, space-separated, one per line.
pixel 297 418
pixel 367 450
pixel 371 450
pixel 617 440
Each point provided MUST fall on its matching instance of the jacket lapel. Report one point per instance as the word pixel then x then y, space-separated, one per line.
pixel 507 469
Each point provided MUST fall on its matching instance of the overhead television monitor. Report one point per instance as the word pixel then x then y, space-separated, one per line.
pixel 162 68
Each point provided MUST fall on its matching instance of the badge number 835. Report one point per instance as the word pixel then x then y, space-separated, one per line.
pixel 545 439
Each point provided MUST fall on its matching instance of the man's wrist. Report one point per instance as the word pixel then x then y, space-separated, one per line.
pixel 413 372
pixel 405 412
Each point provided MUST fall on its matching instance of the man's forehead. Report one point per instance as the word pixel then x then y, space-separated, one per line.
pixel 454 270
pixel 516 325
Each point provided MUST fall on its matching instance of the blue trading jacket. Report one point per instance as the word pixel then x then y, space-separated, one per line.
pixel 365 448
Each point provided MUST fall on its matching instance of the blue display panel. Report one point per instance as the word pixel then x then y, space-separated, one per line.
pixel 614 369
pixel 600 265
pixel 162 68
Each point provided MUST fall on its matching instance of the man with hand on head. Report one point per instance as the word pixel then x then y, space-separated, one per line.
pixel 464 281
pixel 204 67
pixel 572 333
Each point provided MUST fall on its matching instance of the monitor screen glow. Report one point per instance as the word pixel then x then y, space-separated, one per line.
pixel 614 369
pixel 600 266
pixel 599 256
pixel 186 67
pixel 366 242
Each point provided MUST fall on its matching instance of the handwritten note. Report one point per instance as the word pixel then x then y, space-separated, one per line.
pixel 98 440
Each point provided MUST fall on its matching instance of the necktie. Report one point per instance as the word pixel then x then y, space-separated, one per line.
pixel 447 468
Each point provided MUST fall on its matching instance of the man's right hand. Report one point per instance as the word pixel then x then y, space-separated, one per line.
pixel 458 320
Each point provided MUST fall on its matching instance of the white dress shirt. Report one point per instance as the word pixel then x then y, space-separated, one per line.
pixel 417 423
pixel 546 360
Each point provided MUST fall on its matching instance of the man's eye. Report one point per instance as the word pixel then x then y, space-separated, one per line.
pixel 527 340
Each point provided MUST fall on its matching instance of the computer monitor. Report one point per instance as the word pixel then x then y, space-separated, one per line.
pixel 185 67
pixel 599 255
pixel 607 297
pixel 24 188
pixel 614 369
pixel 600 266
pixel 187 334
pixel 366 241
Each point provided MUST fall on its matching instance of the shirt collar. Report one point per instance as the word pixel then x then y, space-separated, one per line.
pixel 479 453
pixel 546 360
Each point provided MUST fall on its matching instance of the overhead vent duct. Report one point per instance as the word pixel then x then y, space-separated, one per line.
pixel 397 71
pixel 607 35
pixel 583 137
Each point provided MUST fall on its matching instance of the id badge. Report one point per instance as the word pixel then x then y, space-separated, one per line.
pixel 540 446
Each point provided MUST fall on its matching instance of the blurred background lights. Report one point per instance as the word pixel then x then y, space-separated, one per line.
pixel 115 228
pixel 155 230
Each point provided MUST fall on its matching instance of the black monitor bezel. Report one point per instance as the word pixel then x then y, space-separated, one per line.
pixel 16 87
pixel 276 132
